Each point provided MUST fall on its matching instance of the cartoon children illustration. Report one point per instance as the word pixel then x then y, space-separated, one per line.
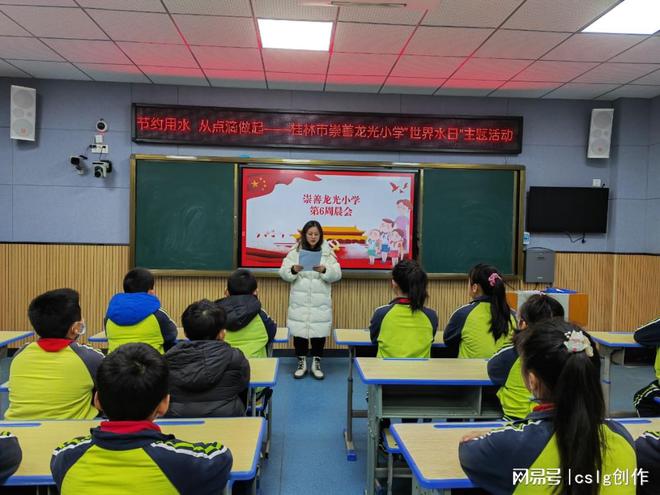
pixel 404 207
pixel 373 245
pixel 396 246
pixel 386 226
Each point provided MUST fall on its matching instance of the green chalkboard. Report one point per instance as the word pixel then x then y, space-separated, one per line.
pixel 183 215
pixel 470 216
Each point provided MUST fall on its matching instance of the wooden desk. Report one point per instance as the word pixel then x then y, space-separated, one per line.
pixel 9 337
pixel 263 373
pixel 281 335
pixel 38 439
pixel 421 388
pixel 608 344
pixel 353 338
pixel 431 451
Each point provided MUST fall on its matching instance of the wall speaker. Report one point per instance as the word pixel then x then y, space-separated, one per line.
pixel 23 108
pixel 600 133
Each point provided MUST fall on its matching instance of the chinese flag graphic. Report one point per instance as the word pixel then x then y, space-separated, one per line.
pixel 260 182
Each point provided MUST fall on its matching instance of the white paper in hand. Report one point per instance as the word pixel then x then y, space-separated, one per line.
pixel 309 259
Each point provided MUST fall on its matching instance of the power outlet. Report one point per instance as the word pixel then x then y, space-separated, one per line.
pixel 99 148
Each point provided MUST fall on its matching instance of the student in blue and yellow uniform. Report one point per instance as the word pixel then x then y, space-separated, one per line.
pixel 249 328
pixel 136 315
pixel 10 455
pixel 128 453
pixel 566 441
pixel 644 400
pixel 405 328
pixel 53 378
pixel 481 328
pixel 504 367
pixel 648 459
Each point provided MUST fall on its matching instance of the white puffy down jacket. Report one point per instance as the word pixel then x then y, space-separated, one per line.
pixel 310 299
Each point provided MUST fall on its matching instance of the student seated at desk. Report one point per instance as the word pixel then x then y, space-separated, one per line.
pixel 249 328
pixel 129 453
pixel 10 455
pixel 566 434
pixel 481 328
pixel 207 375
pixel 504 366
pixel 53 378
pixel 136 316
pixel 644 400
pixel 405 328
pixel 648 459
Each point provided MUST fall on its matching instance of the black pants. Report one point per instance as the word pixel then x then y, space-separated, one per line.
pixel 301 345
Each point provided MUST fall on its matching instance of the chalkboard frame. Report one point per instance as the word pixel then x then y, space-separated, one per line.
pixel 419 167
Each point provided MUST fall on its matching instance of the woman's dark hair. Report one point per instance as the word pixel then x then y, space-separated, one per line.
pixel 492 285
pixel 412 281
pixel 571 381
pixel 540 307
pixel 303 236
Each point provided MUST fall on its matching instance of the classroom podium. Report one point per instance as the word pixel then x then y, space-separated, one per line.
pixel 575 304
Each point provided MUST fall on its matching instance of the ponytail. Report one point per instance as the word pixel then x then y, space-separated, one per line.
pixel 569 372
pixel 412 281
pixel 492 285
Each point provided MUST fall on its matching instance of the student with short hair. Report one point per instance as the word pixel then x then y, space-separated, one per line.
pixel 644 399
pixel 207 375
pixel 405 328
pixel 249 328
pixel 567 435
pixel 129 453
pixel 504 366
pixel 647 447
pixel 485 325
pixel 136 315
pixel 54 377
pixel 10 455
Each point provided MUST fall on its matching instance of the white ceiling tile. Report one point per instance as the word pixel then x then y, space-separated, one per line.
pixel 490 69
pixel 50 70
pixel 304 82
pixel 10 28
pixel 8 70
pixel 473 13
pixel 95 52
pixel 292 10
pixel 616 73
pixel 425 66
pixel 354 84
pixel 217 57
pixel 462 87
pixel 220 31
pixel 137 26
pixel 238 8
pixel 236 78
pixel 50 3
pixel 300 61
pixel 360 64
pixel 134 5
pixel 593 47
pixel 554 71
pixel 446 41
pixel 519 44
pixel 55 22
pixel 156 54
pixel 580 91
pixel 370 38
pixel 114 73
pixel 646 52
pixel 26 48
pixel 175 75
pixel 519 89
pixel 653 78
pixel 411 85
pixel 632 91
pixel 380 15
pixel 557 15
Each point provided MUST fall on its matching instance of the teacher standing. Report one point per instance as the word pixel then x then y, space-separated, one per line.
pixel 309 316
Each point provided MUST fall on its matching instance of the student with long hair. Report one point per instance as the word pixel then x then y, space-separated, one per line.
pixel 405 328
pixel 504 366
pixel 566 436
pixel 309 317
pixel 482 327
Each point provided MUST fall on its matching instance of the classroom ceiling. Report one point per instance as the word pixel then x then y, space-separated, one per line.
pixel 499 48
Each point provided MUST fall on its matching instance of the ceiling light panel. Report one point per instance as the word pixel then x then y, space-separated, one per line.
pixel 295 35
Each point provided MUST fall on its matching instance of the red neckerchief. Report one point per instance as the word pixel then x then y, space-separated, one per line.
pixel 547 406
pixel 128 426
pixel 53 345
pixel 401 300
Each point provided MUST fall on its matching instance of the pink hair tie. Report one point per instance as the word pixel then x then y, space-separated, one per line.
pixel 494 277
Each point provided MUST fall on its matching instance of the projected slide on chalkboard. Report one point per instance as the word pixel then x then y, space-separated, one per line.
pixel 367 217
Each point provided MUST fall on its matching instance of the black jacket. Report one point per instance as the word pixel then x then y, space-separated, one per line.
pixel 207 378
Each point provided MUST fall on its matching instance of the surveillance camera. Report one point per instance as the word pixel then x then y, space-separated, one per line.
pixel 78 163
pixel 102 168
pixel 101 125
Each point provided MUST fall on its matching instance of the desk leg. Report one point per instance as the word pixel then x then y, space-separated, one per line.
pixel 606 378
pixel 253 401
pixel 228 487
pixel 348 432
pixel 418 490
pixel 269 422
pixel 372 437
